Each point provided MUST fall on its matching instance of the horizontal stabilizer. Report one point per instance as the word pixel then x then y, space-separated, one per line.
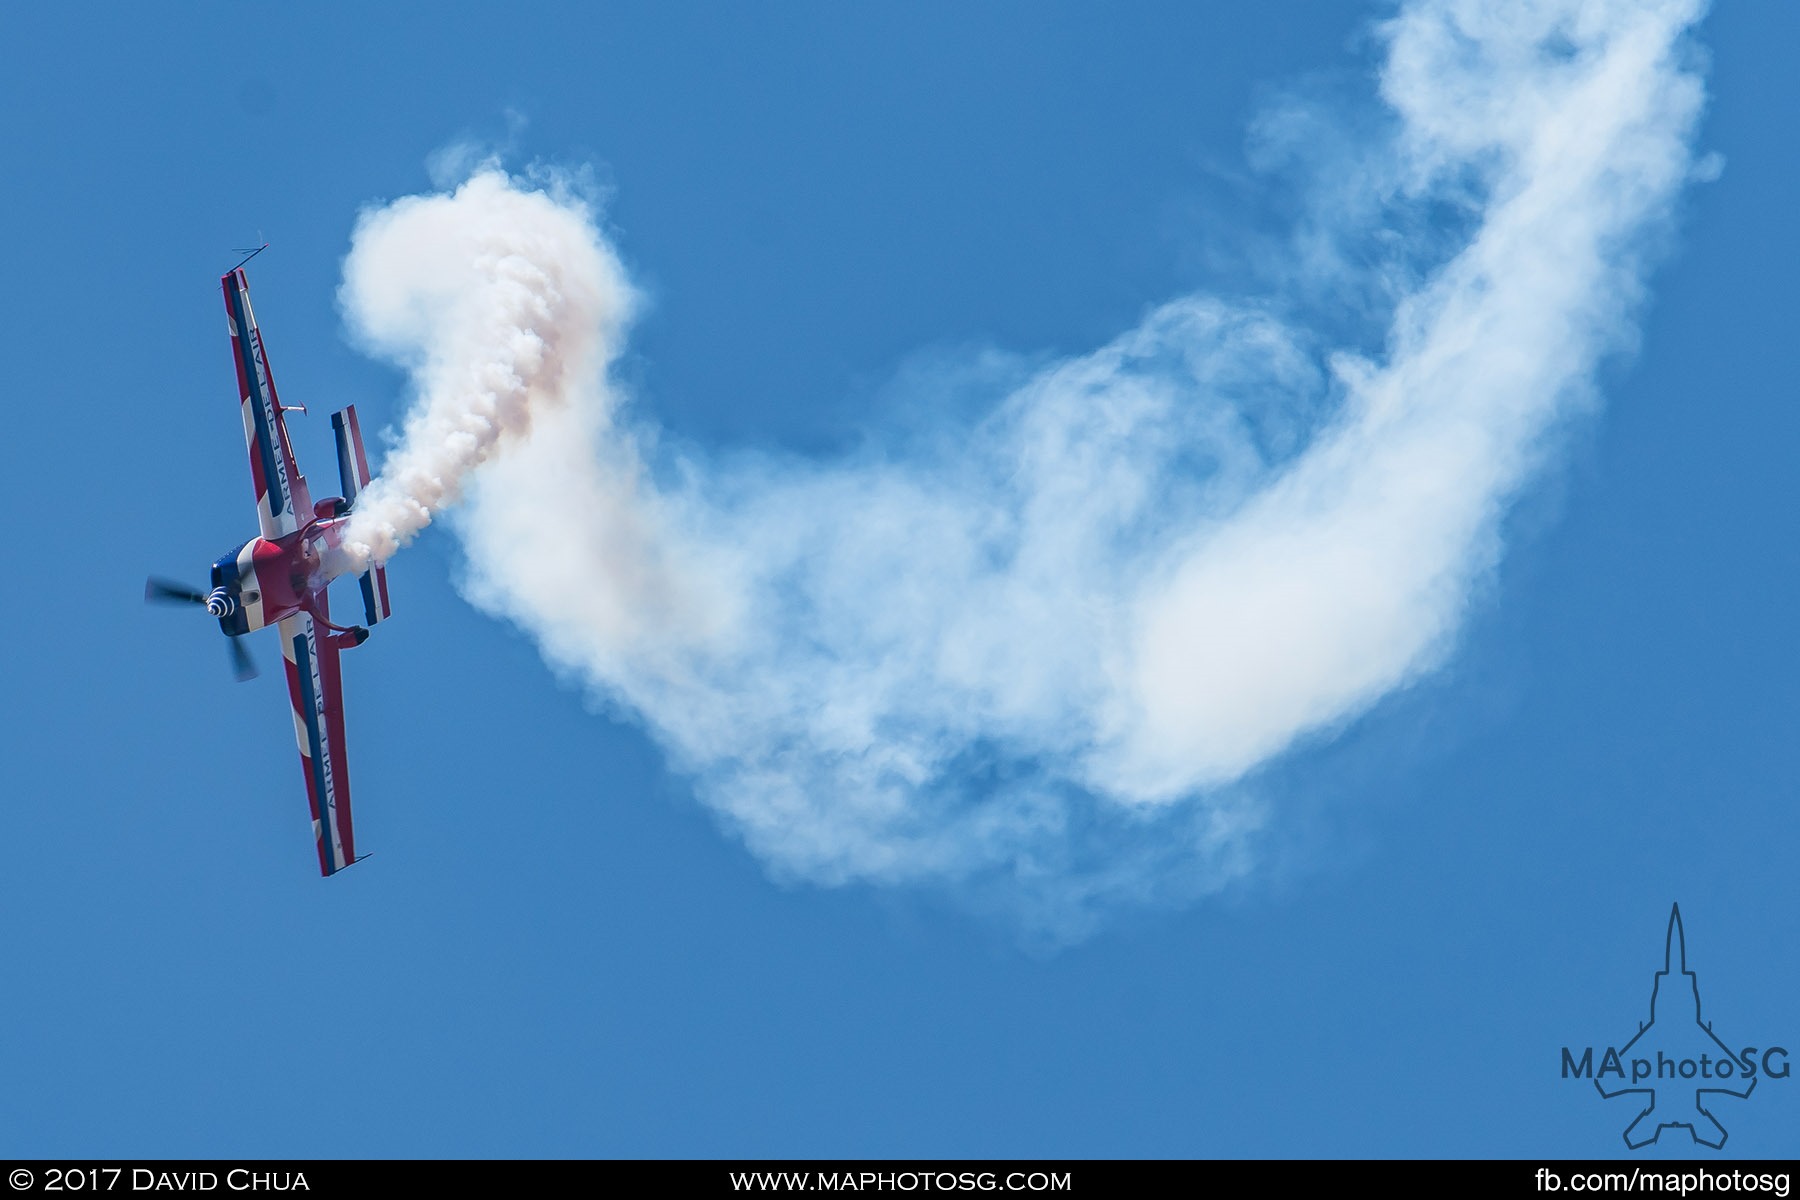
pixel 353 464
pixel 353 476
pixel 375 595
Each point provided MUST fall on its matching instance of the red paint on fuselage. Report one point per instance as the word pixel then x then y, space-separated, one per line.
pixel 292 572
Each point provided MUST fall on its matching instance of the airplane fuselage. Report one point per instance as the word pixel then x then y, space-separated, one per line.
pixel 268 579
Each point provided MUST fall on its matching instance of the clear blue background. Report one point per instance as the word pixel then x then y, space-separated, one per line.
pixel 554 951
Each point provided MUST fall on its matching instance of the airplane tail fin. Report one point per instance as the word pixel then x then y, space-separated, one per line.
pixel 353 475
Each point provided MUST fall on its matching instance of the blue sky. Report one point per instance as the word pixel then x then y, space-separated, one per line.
pixel 559 948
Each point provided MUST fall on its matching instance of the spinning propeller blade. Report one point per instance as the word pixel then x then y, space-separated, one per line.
pixel 161 591
pixel 241 664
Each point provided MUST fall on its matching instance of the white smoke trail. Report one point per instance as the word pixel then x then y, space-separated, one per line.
pixel 500 301
pixel 1040 652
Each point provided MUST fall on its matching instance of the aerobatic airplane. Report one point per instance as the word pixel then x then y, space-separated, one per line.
pixel 279 577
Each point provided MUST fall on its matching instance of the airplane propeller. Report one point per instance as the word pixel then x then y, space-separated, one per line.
pixel 241 664
pixel 162 591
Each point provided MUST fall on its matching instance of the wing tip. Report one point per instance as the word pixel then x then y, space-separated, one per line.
pixel 326 870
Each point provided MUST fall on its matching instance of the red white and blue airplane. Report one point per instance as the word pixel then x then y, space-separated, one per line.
pixel 279 577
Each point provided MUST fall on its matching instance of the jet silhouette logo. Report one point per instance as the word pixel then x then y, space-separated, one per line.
pixel 1675 1064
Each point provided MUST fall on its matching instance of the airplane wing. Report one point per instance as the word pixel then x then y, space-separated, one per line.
pixel 282 502
pixel 317 689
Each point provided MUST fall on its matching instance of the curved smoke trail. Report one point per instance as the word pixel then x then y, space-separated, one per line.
pixel 1043 656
